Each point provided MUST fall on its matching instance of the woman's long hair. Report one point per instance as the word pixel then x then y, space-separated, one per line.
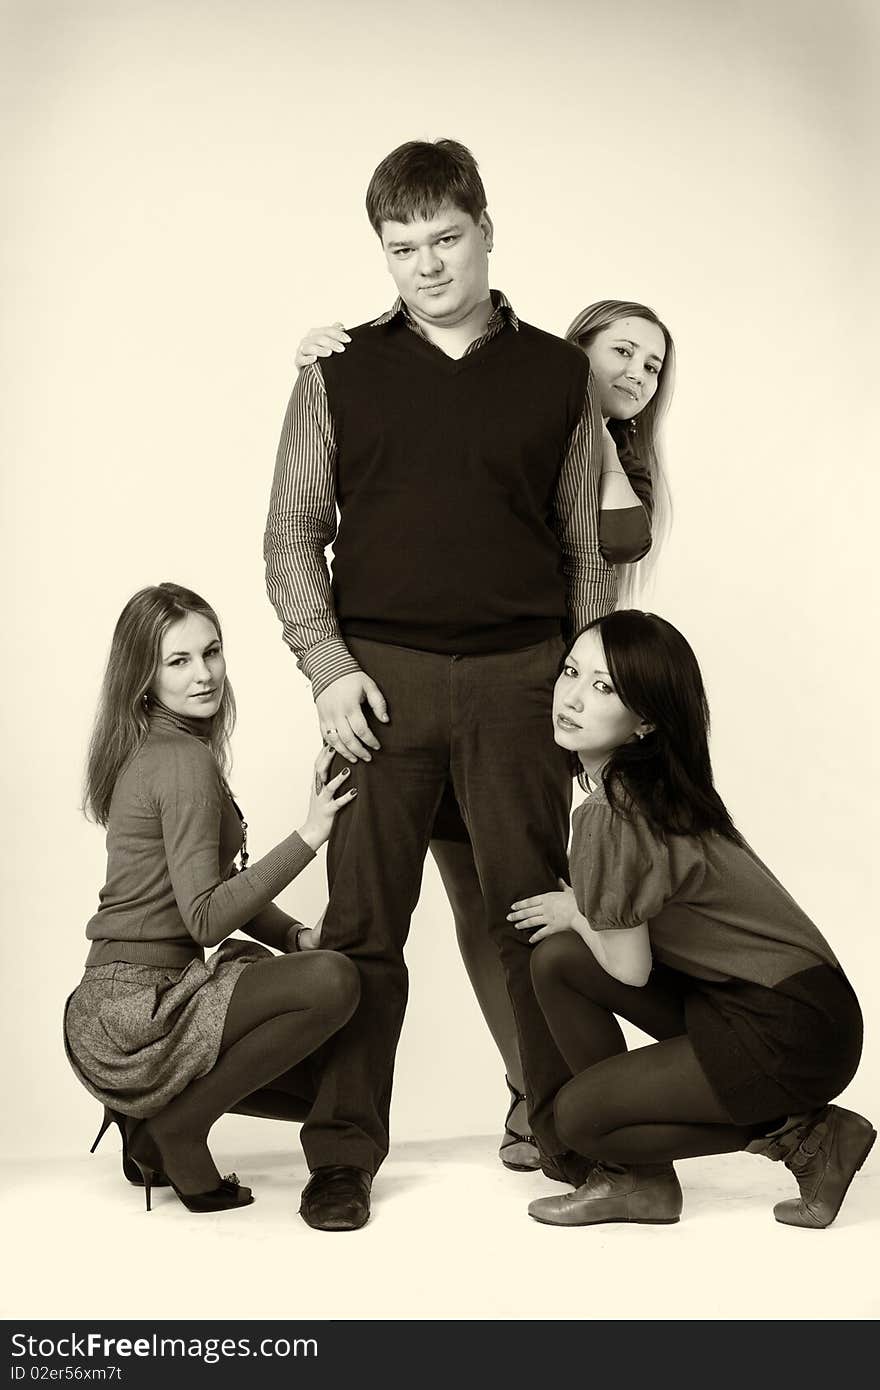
pixel 639 436
pixel 667 774
pixel 122 720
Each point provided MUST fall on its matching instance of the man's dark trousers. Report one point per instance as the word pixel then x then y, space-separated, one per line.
pixel 485 723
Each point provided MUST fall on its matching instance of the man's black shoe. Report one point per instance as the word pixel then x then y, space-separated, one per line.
pixel 336 1198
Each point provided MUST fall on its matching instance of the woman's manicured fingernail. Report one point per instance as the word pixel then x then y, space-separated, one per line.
pixel 346 771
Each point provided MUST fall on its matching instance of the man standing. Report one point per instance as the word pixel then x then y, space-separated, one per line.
pixel 462 450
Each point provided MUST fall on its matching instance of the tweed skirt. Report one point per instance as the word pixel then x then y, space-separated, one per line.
pixel 137 1035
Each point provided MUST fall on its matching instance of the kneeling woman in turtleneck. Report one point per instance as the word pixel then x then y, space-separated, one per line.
pixel 167 1040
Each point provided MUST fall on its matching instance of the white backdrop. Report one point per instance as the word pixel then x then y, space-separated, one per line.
pixel 185 189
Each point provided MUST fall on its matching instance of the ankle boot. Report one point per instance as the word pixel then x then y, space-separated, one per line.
pixel 647 1194
pixel 569 1167
pixel 824 1151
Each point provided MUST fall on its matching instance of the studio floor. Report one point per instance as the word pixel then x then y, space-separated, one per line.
pixel 449 1238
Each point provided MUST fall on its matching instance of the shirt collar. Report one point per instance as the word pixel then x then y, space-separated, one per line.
pixel 502 312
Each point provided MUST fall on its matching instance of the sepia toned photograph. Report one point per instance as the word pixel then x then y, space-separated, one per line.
pixel 439 526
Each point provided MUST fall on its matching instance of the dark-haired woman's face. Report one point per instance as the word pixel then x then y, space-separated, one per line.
pixel 626 359
pixel 589 717
pixel 191 672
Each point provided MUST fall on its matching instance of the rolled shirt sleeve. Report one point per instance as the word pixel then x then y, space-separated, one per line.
pixel 300 526
pixel 590 579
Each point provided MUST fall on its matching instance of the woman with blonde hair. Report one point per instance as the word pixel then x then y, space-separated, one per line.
pixel 632 361
pixel 164 1038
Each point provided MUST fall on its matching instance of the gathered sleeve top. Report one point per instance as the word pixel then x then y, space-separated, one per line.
pixel 712 908
pixel 172 836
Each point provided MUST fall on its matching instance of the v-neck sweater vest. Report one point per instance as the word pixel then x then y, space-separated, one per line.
pixel 446 474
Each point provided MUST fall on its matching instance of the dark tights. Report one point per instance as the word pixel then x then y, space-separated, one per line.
pixel 288 1098
pixel 649 1106
pixel 281 1010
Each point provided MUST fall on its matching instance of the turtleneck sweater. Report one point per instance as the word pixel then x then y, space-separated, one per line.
pixel 172 835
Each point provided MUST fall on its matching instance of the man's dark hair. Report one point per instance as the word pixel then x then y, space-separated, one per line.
pixel 417 178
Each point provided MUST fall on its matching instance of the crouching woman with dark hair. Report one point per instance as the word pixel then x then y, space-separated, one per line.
pixel 165 1039
pixel 674 924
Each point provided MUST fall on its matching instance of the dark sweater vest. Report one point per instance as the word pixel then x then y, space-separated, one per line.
pixel 446 479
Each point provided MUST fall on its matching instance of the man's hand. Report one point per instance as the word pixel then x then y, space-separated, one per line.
pixel 552 912
pixel 341 718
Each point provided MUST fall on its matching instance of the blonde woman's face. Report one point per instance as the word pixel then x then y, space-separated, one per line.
pixel 626 358
pixel 191 672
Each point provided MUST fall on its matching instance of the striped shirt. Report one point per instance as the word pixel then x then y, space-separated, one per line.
pixel 302 520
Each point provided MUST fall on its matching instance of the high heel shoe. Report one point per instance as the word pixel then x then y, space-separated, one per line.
pixel 518 1152
pixel 228 1194
pixel 129 1167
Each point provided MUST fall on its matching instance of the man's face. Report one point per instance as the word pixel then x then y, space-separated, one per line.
pixel 440 265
